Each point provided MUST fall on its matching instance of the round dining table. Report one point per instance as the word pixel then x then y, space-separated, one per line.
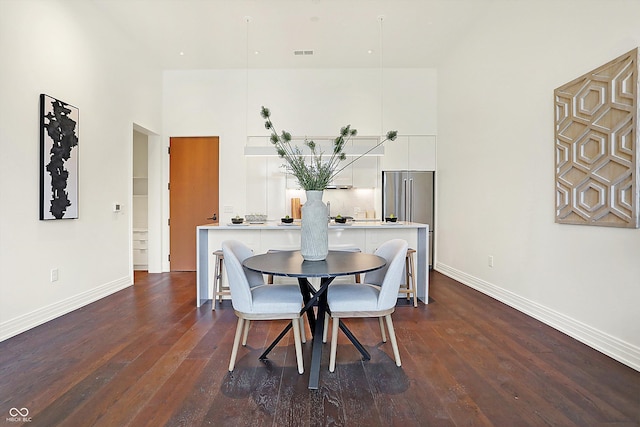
pixel 292 264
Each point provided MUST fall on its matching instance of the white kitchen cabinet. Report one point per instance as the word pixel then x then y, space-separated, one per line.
pixel 396 154
pixel 265 186
pixel 275 188
pixel 256 195
pixel 365 172
pixel 413 152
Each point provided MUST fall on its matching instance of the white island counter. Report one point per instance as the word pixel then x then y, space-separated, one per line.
pixel 366 235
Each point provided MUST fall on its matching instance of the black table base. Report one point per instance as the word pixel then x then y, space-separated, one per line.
pixel 311 297
pixel 292 264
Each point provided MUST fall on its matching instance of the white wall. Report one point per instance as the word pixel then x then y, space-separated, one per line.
pixel 68 50
pixel 314 102
pixel 496 171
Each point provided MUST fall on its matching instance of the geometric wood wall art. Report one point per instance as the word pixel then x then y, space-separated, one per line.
pixel 58 159
pixel 596 141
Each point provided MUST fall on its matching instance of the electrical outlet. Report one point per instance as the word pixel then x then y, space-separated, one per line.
pixel 490 261
pixel 54 274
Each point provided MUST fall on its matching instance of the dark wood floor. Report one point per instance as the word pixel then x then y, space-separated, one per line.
pixel 147 356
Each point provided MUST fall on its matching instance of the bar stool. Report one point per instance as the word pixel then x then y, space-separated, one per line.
pixel 219 289
pixel 409 287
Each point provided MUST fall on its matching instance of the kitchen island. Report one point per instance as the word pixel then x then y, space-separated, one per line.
pixel 366 235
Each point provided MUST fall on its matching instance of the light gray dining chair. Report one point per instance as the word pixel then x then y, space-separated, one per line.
pixel 375 297
pixel 252 299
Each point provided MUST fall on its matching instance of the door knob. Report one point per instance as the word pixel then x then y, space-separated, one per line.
pixel 214 217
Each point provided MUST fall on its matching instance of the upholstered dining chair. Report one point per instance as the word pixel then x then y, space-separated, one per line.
pixel 375 297
pixel 252 299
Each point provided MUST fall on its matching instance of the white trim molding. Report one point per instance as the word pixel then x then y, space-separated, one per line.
pixel 35 318
pixel 613 347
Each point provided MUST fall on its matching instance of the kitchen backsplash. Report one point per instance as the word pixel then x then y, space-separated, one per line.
pixel 355 202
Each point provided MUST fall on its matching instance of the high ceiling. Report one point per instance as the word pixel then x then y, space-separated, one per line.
pixel 205 34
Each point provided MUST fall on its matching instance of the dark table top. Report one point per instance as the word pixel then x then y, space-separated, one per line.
pixel 291 264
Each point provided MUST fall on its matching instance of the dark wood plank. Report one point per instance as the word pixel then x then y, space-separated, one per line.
pixel 147 356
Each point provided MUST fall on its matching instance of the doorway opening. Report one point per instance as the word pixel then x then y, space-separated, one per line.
pixel 146 201
pixel 140 202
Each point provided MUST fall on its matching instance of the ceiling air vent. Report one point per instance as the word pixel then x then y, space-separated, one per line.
pixel 302 52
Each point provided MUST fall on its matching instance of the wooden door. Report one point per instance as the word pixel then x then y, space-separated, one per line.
pixel 193 195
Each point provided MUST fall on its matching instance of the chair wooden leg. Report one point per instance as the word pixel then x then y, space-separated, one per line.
pixel 413 282
pixel 296 340
pixel 394 343
pixel 334 344
pixel 245 333
pixel 303 333
pixel 407 273
pixel 215 285
pixel 325 331
pixel 384 335
pixel 220 273
pixel 236 344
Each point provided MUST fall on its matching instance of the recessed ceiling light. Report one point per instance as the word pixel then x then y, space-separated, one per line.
pixel 256 52
pixel 370 51
pixel 181 53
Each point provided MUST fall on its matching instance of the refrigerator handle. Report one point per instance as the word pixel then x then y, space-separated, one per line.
pixel 410 200
pixel 405 199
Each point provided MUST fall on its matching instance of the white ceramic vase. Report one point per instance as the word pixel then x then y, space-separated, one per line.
pixel 314 237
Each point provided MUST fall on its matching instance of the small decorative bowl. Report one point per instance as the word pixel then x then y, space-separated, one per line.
pixel 286 220
pixel 341 220
pixel 256 217
pixel 394 219
pixel 237 220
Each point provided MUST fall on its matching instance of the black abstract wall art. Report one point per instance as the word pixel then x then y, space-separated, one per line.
pixel 58 159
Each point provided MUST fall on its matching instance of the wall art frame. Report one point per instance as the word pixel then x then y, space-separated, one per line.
pixel 597 146
pixel 59 130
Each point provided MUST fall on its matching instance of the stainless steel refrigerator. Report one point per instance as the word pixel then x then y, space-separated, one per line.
pixel 409 195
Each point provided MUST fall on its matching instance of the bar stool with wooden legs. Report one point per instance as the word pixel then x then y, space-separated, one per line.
pixel 409 287
pixel 219 289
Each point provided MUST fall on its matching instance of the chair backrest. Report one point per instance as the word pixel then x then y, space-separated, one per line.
pixel 241 279
pixel 376 277
pixel 395 252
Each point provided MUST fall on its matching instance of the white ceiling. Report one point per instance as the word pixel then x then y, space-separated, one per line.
pixel 216 34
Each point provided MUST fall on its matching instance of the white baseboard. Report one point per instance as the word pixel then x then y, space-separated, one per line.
pixel 613 347
pixel 42 315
